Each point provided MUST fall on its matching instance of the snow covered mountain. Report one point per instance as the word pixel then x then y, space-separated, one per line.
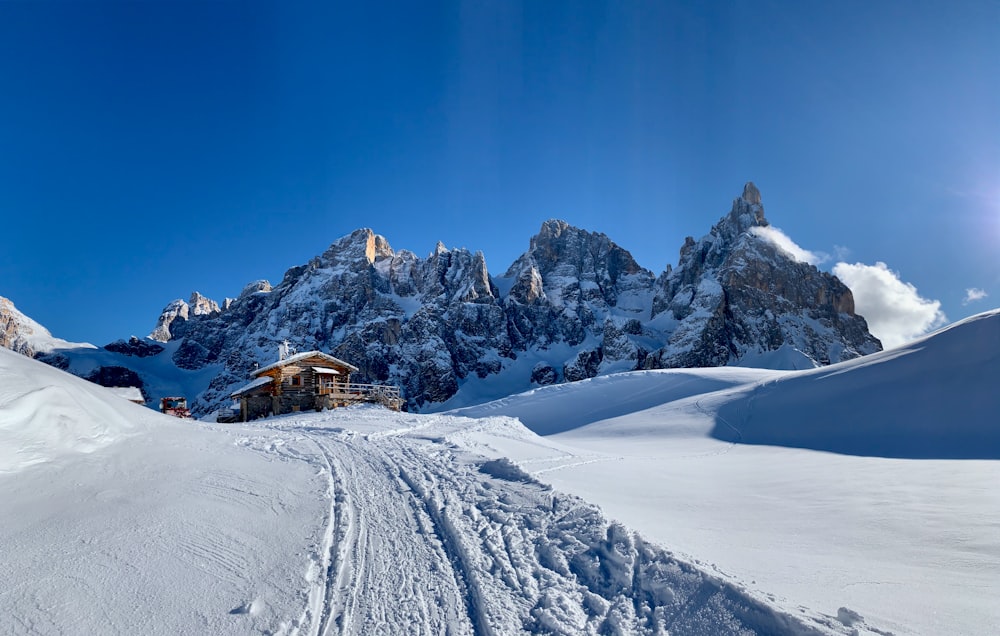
pixel 22 334
pixel 575 305
pixel 738 296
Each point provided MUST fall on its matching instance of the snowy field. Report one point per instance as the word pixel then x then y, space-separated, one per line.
pixel 901 526
pixel 723 509
pixel 117 520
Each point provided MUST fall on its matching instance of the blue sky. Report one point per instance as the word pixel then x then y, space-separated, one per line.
pixel 155 148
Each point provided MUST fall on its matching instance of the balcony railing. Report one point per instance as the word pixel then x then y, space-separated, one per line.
pixel 351 393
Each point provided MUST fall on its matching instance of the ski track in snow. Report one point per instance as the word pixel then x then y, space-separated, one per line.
pixel 424 537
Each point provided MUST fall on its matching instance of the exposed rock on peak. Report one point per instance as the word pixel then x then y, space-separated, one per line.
pixel 202 306
pixel 751 194
pixel 20 333
pixel 569 283
pixel 572 306
pixel 177 312
pixel 735 296
pixel 361 244
pixel 253 288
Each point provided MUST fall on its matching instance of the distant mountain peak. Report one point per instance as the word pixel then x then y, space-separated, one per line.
pixel 360 244
pixel 20 333
pixel 751 194
pixel 574 305
pixel 747 212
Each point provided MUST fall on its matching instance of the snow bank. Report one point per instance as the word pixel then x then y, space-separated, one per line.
pixel 565 407
pixel 933 398
pixel 45 413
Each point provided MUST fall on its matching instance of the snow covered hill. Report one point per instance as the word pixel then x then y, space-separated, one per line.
pixel 722 464
pixel 934 398
pixel 117 520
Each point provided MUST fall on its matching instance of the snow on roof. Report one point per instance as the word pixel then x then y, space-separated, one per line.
pixel 302 356
pixel 325 370
pixel 253 385
pixel 132 393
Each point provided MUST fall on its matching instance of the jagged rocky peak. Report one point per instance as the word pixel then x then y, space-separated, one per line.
pixel 203 306
pixel 561 245
pixel 747 212
pixel 751 194
pixel 254 287
pixel 736 294
pixel 456 275
pixel 562 258
pixel 176 311
pixel 362 244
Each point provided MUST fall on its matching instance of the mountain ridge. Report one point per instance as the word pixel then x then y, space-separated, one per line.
pixel 574 305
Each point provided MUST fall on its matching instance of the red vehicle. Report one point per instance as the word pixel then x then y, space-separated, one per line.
pixel 176 406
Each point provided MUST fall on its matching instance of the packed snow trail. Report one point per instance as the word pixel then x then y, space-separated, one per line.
pixel 427 538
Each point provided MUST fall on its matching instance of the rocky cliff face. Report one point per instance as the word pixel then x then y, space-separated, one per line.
pixel 736 295
pixel 573 306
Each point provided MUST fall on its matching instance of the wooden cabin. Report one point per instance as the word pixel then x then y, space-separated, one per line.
pixel 307 381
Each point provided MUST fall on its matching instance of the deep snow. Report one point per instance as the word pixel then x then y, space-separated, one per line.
pixel 118 520
pixel 722 465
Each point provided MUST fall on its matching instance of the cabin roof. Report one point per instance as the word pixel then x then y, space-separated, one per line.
pixel 302 356
pixel 249 387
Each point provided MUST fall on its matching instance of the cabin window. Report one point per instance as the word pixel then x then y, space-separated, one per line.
pixel 295 380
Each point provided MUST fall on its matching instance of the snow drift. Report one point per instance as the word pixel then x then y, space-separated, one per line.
pixel 46 413
pixel 935 398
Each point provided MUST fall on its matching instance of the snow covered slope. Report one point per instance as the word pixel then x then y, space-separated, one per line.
pixel 355 521
pixel 936 397
pixel 880 543
pixel 45 413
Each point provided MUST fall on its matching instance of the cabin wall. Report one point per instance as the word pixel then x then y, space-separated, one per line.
pixel 254 407
pixel 288 397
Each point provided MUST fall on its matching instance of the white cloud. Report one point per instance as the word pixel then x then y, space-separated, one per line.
pixel 972 295
pixel 895 312
pixel 780 240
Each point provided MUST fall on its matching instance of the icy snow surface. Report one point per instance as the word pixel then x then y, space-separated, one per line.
pixel 897 531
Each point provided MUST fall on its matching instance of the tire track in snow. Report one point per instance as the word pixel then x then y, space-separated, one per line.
pixel 384 563
pixel 423 537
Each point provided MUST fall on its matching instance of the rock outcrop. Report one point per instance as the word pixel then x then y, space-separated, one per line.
pixel 735 294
